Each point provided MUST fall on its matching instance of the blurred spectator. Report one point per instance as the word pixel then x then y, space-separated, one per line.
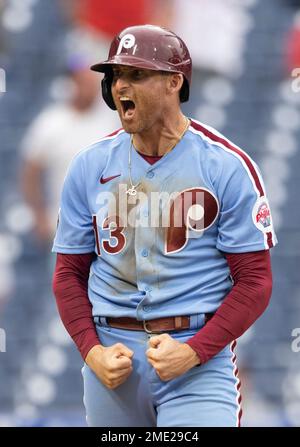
pixel 55 136
pixel 108 18
pixel 293 46
pixel 214 32
pixel 95 22
pixel 2 44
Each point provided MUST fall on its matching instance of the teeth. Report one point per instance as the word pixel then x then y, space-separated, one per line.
pixel 124 98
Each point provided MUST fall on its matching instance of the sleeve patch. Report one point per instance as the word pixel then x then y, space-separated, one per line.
pixel 261 215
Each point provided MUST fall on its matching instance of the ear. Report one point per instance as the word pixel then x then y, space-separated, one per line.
pixel 175 82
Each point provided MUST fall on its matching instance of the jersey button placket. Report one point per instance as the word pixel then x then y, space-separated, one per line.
pixel 145 253
pixel 144 238
pixel 147 308
pixel 150 174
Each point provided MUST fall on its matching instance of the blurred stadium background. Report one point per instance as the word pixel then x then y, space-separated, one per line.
pixel 244 52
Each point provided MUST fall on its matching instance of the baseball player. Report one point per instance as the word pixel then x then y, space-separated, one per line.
pixel 162 249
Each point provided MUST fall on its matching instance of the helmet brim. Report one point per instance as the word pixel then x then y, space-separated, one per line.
pixel 132 61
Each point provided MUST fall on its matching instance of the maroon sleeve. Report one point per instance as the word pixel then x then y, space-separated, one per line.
pixel 247 300
pixel 70 285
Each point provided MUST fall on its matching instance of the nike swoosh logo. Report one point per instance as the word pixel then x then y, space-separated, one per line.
pixel 108 179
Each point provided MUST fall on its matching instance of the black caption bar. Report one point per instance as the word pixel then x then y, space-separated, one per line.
pixel 104 437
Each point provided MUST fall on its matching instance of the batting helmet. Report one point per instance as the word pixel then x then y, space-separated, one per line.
pixel 150 47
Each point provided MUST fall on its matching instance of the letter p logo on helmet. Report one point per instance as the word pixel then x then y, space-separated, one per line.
pixel 127 41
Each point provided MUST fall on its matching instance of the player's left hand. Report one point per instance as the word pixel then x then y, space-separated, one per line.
pixel 169 357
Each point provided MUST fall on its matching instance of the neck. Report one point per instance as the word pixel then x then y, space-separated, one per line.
pixel 162 137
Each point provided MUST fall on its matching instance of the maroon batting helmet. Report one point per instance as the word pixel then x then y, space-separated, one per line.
pixel 150 47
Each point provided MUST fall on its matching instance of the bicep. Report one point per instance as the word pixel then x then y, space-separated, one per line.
pixel 75 232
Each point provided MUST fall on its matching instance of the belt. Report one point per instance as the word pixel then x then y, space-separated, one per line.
pixel 153 326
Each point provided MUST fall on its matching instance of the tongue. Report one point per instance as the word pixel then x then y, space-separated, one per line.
pixel 129 112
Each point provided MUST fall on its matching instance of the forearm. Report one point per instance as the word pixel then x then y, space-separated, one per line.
pixel 70 286
pixel 32 186
pixel 246 301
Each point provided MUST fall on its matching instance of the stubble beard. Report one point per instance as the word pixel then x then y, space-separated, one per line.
pixel 133 127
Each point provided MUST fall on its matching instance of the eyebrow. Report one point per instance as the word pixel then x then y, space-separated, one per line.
pixel 124 68
pixel 127 70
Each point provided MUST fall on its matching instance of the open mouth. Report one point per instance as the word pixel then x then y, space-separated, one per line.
pixel 128 106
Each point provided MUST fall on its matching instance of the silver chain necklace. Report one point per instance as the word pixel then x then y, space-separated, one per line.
pixel 132 190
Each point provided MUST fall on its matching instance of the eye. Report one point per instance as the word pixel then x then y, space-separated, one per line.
pixel 133 75
pixel 138 74
pixel 116 75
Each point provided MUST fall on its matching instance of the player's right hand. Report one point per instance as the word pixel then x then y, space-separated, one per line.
pixel 112 365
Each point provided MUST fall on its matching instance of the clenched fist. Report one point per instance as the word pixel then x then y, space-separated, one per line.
pixel 112 365
pixel 169 357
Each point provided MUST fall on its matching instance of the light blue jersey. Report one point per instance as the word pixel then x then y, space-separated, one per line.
pixel 160 253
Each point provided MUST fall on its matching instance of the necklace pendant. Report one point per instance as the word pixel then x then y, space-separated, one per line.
pixel 131 191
